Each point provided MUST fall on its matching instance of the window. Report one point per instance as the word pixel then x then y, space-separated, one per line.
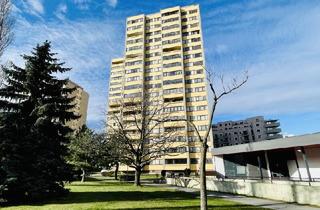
pixel 173 90
pixel 176 161
pixel 196 98
pixel 169 57
pixel 134 48
pixel 171 41
pixel 130 87
pixel 194 160
pixel 193 11
pixel 170 20
pixel 194 149
pixel 136 78
pixel 115 83
pixel 193 18
pixel 169 13
pixel 174 109
pixel 171 34
pixel 134 27
pixel 150 86
pixel 115 89
pixel 149 70
pixel 169 82
pixel 172 73
pixel 135 21
pixel 196 47
pixel 132 63
pixel 132 95
pixel 133 41
pixel 116 78
pixel 193 72
pixel 197 80
pixel 130 71
pixel 171 65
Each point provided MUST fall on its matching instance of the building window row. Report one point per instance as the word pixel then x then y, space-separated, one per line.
pixel 199 128
pixel 173 109
pixel 113 73
pixel 170 20
pixel 133 41
pixel 132 63
pixel 153 20
pixel 130 87
pixel 115 83
pixel 190 12
pixel 197 63
pixel 197 117
pixel 193 72
pixel 196 98
pixel 176 118
pixel 176 161
pixel 149 78
pixel 132 95
pixel 153 26
pixel 115 89
pixel 193 25
pixel 194 149
pixel 171 27
pixel 190 19
pixel 153 94
pixel 153 33
pixel 150 55
pixel 171 41
pixel 197 47
pixel 173 33
pixel 150 86
pixel 191 33
pixel 147 63
pixel 153 47
pixel 196 55
pixel 149 70
pixel 172 64
pixel 170 13
pixel 153 40
pixel 197 80
pixel 136 78
pixel 173 90
pixel 115 94
pixel 176 150
pixel 169 57
pixel 116 67
pixel 134 27
pixel 134 48
pixel 172 73
pixel 135 21
pixel 136 70
pixel 116 78
pixel 170 82
pixel 195 90
pixel 186 41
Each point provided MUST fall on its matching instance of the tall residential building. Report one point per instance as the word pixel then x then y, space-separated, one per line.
pixel 164 57
pixel 244 131
pixel 81 105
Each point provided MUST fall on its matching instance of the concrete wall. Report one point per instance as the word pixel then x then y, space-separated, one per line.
pixel 299 192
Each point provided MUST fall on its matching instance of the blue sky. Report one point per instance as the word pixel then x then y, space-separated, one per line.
pixel 277 41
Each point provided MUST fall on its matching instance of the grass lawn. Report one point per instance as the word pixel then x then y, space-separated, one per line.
pixel 108 194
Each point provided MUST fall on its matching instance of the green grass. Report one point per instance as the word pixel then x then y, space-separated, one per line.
pixel 108 194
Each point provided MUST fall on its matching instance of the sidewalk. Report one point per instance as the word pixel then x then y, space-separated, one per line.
pixel 265 203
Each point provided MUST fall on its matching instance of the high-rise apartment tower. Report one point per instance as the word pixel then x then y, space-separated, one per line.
pixel 164 57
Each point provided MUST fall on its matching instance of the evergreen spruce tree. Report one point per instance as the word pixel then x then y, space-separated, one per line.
pixel 34 107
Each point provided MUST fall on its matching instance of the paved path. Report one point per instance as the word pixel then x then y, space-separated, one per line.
pixel 265 203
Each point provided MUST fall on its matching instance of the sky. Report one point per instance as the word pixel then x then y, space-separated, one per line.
pixel 277 42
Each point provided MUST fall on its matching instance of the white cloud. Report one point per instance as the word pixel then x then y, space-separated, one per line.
pixel 112 3
pixel 35 7
pixel 82 4
pixel 61 11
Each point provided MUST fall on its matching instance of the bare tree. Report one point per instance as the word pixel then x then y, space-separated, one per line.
pixel 139 125
pixel 219 89
pixel 6 34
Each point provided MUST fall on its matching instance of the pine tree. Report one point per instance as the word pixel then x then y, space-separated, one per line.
pixel 34 107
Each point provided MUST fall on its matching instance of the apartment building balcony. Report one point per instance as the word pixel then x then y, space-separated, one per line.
pixel 272 123
pixel 273 130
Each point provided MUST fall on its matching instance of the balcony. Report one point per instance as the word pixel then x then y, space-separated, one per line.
pixel 270 124
pixel 273 130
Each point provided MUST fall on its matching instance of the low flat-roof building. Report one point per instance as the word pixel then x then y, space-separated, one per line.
pixel 294 158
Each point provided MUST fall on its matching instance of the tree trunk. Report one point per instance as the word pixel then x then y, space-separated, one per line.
pixel 116 171
pixel 203 183
pixel 137 177
pixel 83 175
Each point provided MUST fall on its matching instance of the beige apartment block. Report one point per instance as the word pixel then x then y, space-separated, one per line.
pixel 164 57
pixel 81 105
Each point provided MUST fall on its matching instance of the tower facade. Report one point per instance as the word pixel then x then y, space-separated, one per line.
pixel 164 57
